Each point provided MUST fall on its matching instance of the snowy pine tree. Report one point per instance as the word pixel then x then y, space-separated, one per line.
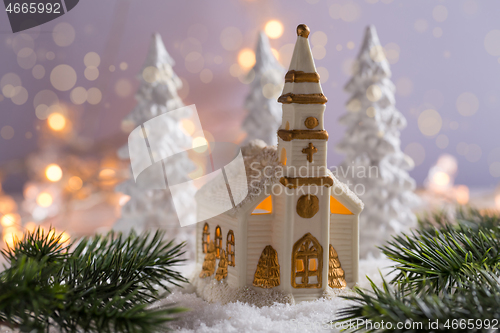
pixel 372 148
pixel 264 111
pixel 151 208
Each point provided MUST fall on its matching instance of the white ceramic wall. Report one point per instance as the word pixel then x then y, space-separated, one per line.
pixel 296 114
pixel 343 237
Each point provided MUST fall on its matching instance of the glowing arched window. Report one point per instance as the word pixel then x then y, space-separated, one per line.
pixel 337 208
pixel 230 248
pixel 287 127
pixel 265 207
pixel 307 263
pixel 205 238
pixel 218 241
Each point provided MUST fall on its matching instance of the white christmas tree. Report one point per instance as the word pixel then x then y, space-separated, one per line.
pixel 372 147
pixel 151 208
pixel 264 111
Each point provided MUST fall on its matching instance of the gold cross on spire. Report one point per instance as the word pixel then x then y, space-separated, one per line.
pixel 310 151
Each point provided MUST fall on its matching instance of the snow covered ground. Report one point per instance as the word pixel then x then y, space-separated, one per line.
pixel 314 316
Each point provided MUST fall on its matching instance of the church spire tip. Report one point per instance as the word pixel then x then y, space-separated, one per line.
pixel 303 30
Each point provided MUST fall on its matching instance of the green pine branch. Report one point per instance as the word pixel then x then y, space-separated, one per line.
pixel 447 271
pixel 99 284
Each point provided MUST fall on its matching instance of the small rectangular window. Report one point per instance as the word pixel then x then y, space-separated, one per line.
pixel 313 265
pixel 299 263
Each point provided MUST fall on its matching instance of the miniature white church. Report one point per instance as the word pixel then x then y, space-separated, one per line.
pixel 297 230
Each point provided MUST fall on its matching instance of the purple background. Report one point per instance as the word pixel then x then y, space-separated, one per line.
pixel 422 59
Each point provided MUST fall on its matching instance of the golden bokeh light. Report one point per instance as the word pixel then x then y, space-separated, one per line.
pixel 373 93
pixel 20 96
pixel 44 199
pixel 350 12
pixel 26 58
pixel 7 205
pixel 440 13
pixel 63 34
pixel 370 112
pixel 441 179
pixel 467 104
pixel 150 74
pixel 11 236
pixel 462 194
pixel 188 126
pixel 492 42
pixel 416 151
pixel 65 237
pixel 323 74
pixel 404 86
pixel 200 144
pixel 391 51
pixel 91 73
pixel 7 132
pixel 271 91
pixel 286 52
pixel 430 122
pixel 38 72
pixel 377 53
pixel 56 121
pixel 420 25
pixel 274 29
pixel 194 62
pixel 123 87
pixel 354 105
pixel 92 59
pixel 94 96
pixel 63 77
pixel 9 220
pixel 319 52
pixel 318 38
pixel 275 53
pixel 198 172
pixel 53 172
pixel 78 95
pixel 246 58
pixel 75 183
pixel 31 226
pixel 107 173
pixel 206 75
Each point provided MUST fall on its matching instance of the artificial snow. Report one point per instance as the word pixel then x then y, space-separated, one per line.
pixel 313 316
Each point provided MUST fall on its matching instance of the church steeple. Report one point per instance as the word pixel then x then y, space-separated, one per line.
pixel 301 81
pixel 302 138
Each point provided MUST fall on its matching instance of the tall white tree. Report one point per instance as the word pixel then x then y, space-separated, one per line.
pixel 151 208
pixel 372 147
pixel 264 111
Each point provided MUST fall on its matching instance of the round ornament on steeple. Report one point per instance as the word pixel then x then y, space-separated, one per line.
pixel 307 206
pixel 311 122
pixel 303 30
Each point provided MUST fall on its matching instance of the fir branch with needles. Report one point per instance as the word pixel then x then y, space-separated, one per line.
pixel 446 271
pixel 101 284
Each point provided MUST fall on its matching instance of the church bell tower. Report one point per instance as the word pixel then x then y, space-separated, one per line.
pixel 302 149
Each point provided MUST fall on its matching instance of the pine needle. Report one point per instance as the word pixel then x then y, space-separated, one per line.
pixel 99 284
